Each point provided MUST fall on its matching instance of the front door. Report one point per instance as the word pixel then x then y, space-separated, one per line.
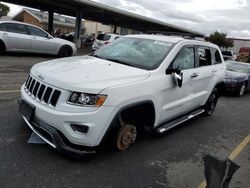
pixel 176 100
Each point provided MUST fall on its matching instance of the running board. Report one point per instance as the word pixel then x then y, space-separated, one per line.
pixel 165 127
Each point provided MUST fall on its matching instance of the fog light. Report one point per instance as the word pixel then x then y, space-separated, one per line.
pixel 83 129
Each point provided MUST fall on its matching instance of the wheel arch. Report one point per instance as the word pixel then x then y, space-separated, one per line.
pixel 2 43
pixel 220 87
pixel 115 123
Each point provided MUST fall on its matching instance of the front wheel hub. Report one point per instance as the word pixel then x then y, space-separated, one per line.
pixel 126 136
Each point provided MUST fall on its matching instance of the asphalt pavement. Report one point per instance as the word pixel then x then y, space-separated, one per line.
pixel 173 160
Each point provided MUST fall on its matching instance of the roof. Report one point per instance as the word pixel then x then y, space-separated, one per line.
pixel 173 39
pixel 42 16
pixel 104 14
pixel 5 18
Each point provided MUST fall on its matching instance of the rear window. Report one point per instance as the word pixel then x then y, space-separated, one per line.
pixel 228 53
pixel 103 37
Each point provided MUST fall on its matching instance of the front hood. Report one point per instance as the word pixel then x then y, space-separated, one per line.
pixel 236 75
pixel 86 74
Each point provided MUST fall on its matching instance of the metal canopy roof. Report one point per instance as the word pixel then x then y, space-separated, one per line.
pixel 104 14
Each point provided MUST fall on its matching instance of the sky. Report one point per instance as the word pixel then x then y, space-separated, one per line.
pixel 206 16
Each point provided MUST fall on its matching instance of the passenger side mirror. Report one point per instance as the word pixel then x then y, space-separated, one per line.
pixel 177 74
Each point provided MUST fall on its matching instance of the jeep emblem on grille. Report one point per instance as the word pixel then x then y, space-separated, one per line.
pixel 41 77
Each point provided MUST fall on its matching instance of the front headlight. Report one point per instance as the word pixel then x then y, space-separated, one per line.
pixel 85 99
pixel 232 81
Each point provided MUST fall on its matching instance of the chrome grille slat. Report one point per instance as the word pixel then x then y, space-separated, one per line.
pixel 33 88
pixel 38 89
pixel 41 92
pixel 52 92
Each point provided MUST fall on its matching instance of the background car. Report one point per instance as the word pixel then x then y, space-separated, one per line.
pixel 20 37
pixel 229 55
pixel 103 39
pixel 237 77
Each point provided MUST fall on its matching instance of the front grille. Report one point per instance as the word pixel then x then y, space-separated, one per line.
pixel 42 92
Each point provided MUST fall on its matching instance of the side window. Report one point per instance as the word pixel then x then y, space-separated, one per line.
pixel 17 28
pixel 37 32
pixel 204 56
pixel 185 59
pixel 217 57
pixel 3 27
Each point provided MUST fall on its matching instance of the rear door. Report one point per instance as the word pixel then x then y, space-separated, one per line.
pixel 40 41
pixel 203 78
pixel 17 38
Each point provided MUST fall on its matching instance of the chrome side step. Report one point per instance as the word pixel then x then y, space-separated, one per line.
pixel 165 127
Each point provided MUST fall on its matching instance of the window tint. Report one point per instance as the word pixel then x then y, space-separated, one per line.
pixel 37 32
pixel 217 56
pixel 103 37
pixel 3 27
pixel 204 56
pixel 185 59
pixel 16 28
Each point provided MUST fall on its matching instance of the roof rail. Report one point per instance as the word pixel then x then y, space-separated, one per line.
pixel 184 35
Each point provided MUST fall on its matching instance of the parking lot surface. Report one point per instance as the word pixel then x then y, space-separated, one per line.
pixel 172 160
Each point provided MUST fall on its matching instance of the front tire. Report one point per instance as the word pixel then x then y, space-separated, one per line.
pixel 2 48
pixel 65 51
pixel 211 103
pixel 242 90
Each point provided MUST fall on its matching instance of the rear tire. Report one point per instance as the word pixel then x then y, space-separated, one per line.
pixel 211 102
pixel 2 48
pixel 65 51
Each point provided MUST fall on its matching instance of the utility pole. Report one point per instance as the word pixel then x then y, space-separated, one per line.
pixel 1 12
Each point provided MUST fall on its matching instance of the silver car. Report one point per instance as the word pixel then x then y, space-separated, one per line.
pixel 22 37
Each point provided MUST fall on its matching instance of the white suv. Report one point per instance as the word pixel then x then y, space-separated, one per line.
pixel 137 83
pixel 104 39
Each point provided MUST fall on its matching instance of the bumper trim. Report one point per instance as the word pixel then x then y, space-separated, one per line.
pixel 57 142
pixel 38 134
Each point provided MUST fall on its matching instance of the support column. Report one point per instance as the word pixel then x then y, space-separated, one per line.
pixel 50 22
pixel 78 28
pixel 115 29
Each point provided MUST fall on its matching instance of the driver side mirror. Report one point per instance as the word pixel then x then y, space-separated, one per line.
pixel 178 76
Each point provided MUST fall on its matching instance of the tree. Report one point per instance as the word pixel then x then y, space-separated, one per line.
pixel 221 40
pixel 4 10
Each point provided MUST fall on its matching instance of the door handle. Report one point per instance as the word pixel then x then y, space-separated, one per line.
pixel 194 75
pixel 34 37
pixel 214 70
pixel 5 34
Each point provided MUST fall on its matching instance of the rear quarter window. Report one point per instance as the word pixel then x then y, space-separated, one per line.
pixel 217 57
pixel 103 37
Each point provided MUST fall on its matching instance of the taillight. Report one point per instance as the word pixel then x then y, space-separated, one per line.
pixel 106 43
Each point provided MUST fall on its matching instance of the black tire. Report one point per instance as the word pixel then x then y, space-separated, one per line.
pixel 242 90
pixel 65 51
pixel 211 102
pixel 2 48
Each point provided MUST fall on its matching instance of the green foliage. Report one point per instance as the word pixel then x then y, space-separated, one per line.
pixel 221 40
pixel 4 10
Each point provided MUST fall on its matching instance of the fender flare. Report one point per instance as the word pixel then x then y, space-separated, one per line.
pixel 113 125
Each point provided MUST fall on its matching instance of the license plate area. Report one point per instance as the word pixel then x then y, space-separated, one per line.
pixel 27 110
